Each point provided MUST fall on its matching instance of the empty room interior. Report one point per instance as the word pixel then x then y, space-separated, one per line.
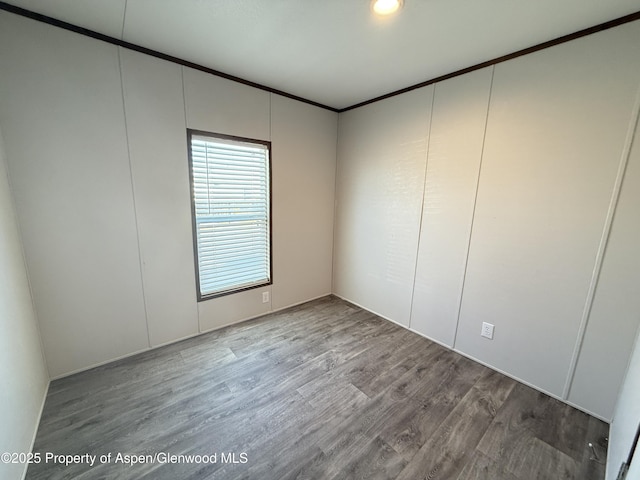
pixel 319 240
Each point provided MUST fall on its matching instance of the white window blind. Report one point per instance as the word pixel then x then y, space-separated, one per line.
pixel 231 213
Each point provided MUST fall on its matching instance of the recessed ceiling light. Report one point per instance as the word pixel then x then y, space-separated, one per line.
pixel 386 7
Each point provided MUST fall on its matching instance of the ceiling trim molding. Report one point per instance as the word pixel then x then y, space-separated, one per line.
pixel 154 53
pixel 163 56
pixel 525 51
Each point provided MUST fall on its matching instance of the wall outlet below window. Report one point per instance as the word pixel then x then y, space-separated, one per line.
pixel 265 297
pixel 487 330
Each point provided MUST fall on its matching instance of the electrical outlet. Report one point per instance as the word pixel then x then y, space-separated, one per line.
pixel 487 330
pixel 265 297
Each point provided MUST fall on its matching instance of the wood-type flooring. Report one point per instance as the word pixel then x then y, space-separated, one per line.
pixel 324 390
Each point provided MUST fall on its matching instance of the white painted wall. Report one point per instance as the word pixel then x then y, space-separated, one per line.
pixel 453 166
pixel 218 105
pixel 62 115
pixel 382 150
pixel 616 308
pixel 556 133
pixel 23 373
pixel 626 421
pixel 106 213
pixel 156 133
pixel 615 314
pixel 304 170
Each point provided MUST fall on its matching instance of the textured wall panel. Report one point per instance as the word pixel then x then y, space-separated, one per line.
pixel 555 136
pixel 615 314
pixel 62 117
pixel 218 105
pixel 157 144
pixel 23 374
pixel 304 169
pixel 455 149
pixel 380 179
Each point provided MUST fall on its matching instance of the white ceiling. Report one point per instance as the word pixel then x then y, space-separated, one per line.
pixel 334 52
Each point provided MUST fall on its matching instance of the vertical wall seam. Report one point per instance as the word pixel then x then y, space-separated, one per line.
pixel 335 205
pixel 604 241
pixel 184 99
pixel 424 194
pixel 133 198
pixel 270 116
pixel 124 17
pixel 187 146
pixel 473 210
pixel 271 202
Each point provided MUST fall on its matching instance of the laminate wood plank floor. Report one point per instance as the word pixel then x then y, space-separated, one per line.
pixel 324 390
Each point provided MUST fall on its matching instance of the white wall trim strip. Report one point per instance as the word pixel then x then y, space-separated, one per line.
pixel 606 232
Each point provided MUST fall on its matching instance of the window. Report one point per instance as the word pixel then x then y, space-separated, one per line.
pixel 231 212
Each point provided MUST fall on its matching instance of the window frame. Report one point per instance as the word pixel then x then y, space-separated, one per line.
pixel 194 226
